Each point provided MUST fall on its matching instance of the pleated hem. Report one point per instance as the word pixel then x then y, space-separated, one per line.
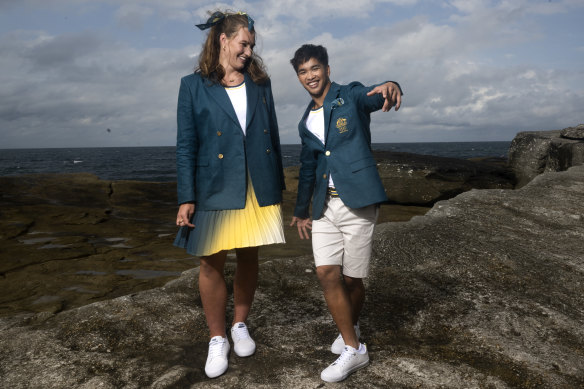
pixel 229 229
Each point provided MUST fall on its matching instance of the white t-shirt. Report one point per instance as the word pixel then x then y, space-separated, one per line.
pixel 238 97
pixel 315 124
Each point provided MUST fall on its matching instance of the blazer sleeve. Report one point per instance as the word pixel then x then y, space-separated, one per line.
pixel 306 180
pixel 186 145
pixel 274 132
pixel 369 103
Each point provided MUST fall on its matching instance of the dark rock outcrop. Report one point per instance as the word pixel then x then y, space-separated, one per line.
pixel 412 179
pixel 484 291
pixel 422 180
pixel 532 153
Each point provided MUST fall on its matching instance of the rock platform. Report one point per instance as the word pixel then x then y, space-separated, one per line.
pixel 484 291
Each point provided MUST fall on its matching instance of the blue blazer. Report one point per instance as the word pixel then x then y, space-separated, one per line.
pixel 346 153
pixel 213 156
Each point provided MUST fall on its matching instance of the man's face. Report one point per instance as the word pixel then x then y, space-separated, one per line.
pixel 314 77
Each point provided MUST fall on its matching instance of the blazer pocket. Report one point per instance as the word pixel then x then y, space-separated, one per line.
pixel 362 164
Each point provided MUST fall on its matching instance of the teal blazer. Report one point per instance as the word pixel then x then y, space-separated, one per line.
pixel 346 153
pixel 213 156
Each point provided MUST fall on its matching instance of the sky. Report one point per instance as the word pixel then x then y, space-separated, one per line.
pixel 106 73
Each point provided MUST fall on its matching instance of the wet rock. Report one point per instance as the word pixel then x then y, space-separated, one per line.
pixel 484 291
pixel 532 153
pixel 71 239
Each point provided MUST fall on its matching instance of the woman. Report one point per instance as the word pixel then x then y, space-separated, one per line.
pixel 230 176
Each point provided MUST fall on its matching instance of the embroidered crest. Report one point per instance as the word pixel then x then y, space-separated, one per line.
pixel 342 125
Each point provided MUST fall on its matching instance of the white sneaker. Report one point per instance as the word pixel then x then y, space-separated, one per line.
pixel 339 344
pixel 243 344
pixel 217 357
pixel 349 361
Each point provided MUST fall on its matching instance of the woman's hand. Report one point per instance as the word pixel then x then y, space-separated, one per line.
pixel 183 217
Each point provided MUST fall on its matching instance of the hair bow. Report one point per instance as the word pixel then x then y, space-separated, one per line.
pixel 218 16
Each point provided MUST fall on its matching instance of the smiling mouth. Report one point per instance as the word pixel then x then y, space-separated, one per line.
pixel 312 84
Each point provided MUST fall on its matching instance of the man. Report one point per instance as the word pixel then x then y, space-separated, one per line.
pixel 338 170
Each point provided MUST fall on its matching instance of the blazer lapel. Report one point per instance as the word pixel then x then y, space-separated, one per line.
pixel 218 93
pixel 332 94
pixel 253 95
pixel 302 124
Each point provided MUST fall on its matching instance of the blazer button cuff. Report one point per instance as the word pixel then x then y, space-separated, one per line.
pixel 220 156
pixel 219 133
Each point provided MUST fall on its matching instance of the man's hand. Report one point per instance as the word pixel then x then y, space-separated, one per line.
pixel 183 217
pixel 391 94
pixel 302 225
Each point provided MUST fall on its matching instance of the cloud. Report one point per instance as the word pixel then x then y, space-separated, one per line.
pixel 133 16
pixel 66 90
pixel 466 67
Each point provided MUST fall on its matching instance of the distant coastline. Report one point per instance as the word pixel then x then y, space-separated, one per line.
pixel 157 164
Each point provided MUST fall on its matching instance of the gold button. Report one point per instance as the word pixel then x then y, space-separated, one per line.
pixel 220 156
pixel 218 133
pixel 324 176
pixel 327 153
pixel 268 151
pixel 264 99
pixel 265 131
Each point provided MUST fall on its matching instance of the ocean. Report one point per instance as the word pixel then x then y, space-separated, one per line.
pixel 157 164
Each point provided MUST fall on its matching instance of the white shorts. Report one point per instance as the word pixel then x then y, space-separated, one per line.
pixel 343 236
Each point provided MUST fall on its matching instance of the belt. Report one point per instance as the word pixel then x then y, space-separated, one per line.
pixel 332 192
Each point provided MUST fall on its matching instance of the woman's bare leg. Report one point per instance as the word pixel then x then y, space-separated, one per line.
pixel 213 292
pixel 245 282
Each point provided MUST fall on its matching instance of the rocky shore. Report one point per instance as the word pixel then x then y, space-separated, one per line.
pixel 483 291
pixel 71 239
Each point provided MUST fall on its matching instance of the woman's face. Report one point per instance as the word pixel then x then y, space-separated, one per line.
pixel 237 50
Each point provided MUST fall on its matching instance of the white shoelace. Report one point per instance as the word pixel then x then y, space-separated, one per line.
pixel 346 355
pixel 216 348
pixel 241 331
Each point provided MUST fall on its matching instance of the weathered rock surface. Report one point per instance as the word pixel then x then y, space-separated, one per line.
pixel 532 153
pixel 486 291
pixel 576 133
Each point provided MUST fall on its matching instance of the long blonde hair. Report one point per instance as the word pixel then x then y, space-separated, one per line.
pixel 209 66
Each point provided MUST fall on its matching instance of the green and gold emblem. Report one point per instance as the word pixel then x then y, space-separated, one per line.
pixel 342 125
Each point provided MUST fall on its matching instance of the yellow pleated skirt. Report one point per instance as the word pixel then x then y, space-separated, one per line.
pixel 228 229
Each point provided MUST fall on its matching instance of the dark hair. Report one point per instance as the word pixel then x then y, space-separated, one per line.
pixel 308 51
pixel 209 65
